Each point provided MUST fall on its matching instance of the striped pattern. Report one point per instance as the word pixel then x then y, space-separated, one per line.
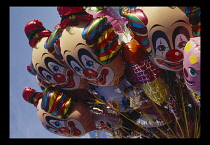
pixel 30 95
pixel 193 13
pixel 102 39
pixel 50 43
pixel 57 102
pixel 137 22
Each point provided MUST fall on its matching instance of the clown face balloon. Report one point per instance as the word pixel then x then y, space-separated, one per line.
pixel 80 58
pixel 71 116
pixel 192 67
pixel 192 64
pixel 168 32
pixel 52 71
pixel 77 124
pixel 45 65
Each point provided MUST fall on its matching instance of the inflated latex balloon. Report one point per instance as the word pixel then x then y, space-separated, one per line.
pixel 64 114
pixel 191 68
pixel 49 69
pixel 168 30
pixel 90 48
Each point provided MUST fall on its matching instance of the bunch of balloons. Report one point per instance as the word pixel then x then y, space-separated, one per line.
pixel 134 74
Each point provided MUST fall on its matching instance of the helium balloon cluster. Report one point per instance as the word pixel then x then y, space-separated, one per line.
pixel 133 73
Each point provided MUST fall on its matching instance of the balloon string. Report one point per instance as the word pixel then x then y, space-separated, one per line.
pixel 134 131
pixel 182 99
pixel 106 134
pixel 139 125
pixel 197 120
pixel 195 117
pixel 163 118
pixel 115 134
pixel 124 129
pixel 180 128
pixel 102 102
pixel 149 118
pixel 126 117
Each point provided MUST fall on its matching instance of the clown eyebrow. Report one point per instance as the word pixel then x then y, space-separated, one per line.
pixel 79 44
pixel 156 26
pixel 44 54
pixel 43 114
pixel 180 21
pixel 36 64
pixel 66 51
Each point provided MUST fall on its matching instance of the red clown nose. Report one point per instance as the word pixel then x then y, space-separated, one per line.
pixel 174 55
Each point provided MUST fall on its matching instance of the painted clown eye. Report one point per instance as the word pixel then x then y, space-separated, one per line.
pixel 182 44
pixel 89 63
pixel 49 77
pixel 192 72
pixel 77 69
pixel 57 123
pixel 161 47
pixel 56 68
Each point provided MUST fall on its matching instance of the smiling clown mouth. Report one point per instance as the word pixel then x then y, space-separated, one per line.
pixel 69 82
pixel 170 64
pixel 189 82
pixel 101 80
pixel 73 130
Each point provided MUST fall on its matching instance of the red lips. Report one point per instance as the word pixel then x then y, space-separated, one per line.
pixel 101 80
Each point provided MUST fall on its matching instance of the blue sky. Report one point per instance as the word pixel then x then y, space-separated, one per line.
pixel 24 122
